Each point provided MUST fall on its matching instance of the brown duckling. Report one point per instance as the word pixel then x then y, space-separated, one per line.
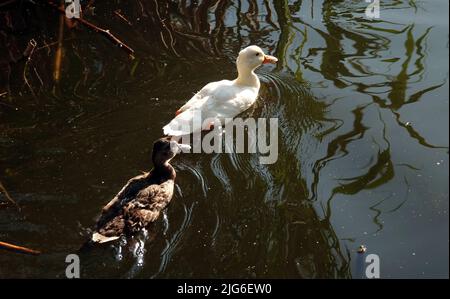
pixel 140 203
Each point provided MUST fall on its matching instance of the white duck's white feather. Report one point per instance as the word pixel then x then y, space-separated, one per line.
pixel 221 100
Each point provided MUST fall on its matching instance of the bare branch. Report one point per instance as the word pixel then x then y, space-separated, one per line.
pixel 18 249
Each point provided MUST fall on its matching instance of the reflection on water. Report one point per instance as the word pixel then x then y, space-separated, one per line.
pixel 363 157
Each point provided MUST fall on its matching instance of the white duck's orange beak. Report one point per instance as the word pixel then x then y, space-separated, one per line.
pixel 270 59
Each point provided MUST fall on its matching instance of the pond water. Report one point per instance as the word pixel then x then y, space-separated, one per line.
pixel 363 150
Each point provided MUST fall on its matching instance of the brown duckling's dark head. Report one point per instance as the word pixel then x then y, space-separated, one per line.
pixel 165 149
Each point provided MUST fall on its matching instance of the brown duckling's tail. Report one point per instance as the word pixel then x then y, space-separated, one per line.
pixel 95 240
pixel 107 231
pixel 101 239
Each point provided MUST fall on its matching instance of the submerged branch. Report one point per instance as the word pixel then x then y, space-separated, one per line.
pixel 18 249
pixel 121 16
pixel 28 53
pixel 59 50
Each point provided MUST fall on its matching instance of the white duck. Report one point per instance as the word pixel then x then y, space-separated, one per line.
pixel 224 99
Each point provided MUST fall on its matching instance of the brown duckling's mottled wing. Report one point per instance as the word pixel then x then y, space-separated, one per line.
pixel 110 231
pixel 111 223
pixel 128 192
pixel 134 208
pixel 147 206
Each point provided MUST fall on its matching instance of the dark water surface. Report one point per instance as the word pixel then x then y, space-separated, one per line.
pixel 363 151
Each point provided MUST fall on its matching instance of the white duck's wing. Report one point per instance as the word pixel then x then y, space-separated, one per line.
pixel 180 125
pixel 229 102
pixel 200 97
pixel 219 100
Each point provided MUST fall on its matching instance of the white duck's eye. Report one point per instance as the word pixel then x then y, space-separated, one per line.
pixel 257 54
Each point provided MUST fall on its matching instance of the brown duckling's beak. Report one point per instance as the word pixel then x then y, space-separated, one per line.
pixel 270 59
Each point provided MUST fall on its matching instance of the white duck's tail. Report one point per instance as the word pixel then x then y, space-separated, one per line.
pixel 171 130
pixel 183 125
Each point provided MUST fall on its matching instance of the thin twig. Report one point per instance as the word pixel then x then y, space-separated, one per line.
pixel 3 94
pixel 121 16
pixel 28 53
pixel 8 197
pixel 38 76
pixel 18 249
pixel 105 32
pixel 47 46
